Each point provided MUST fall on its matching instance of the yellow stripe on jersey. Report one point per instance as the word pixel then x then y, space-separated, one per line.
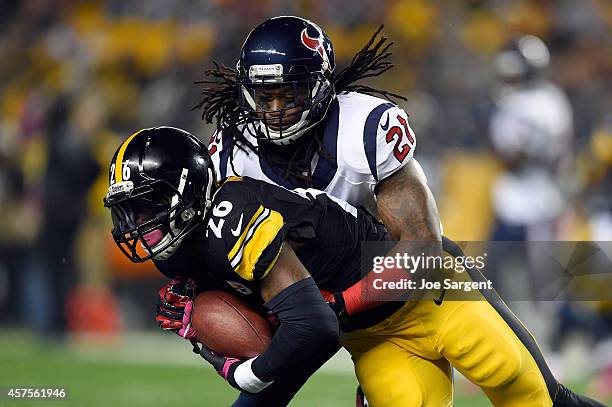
pixel 263 235
pixel 232 178
pixel 263 229
pixel 119 160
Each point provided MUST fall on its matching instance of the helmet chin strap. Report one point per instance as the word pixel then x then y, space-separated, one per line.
pixel 169 251
pixel 291 133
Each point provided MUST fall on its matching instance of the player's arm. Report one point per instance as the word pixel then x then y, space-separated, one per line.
pixel 405 205
pixel 403 200
pixel 408 210
pixel 307 327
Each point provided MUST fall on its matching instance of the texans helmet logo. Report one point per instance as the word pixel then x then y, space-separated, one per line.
pixel 315 44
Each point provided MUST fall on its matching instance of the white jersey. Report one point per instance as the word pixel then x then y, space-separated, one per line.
pixel 534 121
pixel 367 138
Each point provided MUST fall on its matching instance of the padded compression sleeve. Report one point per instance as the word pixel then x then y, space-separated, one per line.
pixel 307 328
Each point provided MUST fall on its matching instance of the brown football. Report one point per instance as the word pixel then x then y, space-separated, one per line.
pixel 229 326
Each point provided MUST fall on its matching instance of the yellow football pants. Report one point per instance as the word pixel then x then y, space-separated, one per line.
pixel 406 359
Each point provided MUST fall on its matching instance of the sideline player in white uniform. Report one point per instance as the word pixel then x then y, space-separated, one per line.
pixel 531 131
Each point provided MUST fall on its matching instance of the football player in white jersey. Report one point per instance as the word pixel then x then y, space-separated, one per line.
pixel 296 122
pixel 305 126
pixel 531 131
pixel 285 116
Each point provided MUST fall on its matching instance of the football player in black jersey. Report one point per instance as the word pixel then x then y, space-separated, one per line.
pixel 277 248
pixel 255 239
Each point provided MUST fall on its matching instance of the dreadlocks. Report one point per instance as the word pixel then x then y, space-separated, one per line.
pixel 220 103
pixel 370 61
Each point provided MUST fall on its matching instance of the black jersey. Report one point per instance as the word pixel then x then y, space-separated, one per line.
pixel 250 219
pixel 240 239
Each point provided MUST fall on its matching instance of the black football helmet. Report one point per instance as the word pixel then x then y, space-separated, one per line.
pixel 161 180
pixel 284 74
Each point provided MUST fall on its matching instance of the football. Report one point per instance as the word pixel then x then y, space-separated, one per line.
pixel 228 326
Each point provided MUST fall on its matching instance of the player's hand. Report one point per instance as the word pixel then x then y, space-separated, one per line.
pixel 336 303
pixel 233 370
pixel 174 306
pixel 225 367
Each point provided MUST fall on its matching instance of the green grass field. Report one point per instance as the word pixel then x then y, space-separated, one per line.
pixel 148 370
pixel 110 382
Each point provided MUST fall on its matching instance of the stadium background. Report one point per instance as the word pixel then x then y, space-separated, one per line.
pixel 78 77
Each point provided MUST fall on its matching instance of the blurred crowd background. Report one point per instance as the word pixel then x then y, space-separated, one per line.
pixel 76 78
